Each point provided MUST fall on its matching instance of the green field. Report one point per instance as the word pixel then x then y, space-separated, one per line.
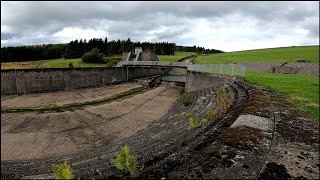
pixel 302 91
pixel 77 63
pixel 282 54
pixel 178 55
pixel 56 63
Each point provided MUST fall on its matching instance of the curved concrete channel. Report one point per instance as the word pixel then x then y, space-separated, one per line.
pixel 31 135
pixel 261 136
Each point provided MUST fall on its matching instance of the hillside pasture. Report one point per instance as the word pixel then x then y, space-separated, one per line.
pixel 56 63
pixel 282 54
pixel 177 56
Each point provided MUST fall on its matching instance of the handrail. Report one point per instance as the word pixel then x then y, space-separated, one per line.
pixel 222 69
pixel 152 63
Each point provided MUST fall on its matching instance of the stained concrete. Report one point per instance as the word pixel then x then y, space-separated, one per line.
pixel 257 122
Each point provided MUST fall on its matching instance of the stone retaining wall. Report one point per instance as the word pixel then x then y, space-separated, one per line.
pixel 39 80
pixel 311 69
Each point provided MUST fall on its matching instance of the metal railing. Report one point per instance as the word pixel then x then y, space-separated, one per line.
pixel 152 63
pixel 221 69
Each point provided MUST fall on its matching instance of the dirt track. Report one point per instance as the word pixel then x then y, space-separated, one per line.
pixel 29 135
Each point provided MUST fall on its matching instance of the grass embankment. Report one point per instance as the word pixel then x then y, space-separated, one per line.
pixel 177 56
pixel 282 54
pixel 56 63
pixel 302 91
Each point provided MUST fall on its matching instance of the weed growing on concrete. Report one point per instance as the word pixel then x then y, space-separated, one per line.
pixel 203 122
pixel 185 98
pixel 194 122
pixel 211 114
pixel 191 112
pixel 223 102
pixel 125 161
pixel 63 171
pixel 180 116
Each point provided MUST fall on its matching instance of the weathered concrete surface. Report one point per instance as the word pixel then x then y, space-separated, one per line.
pixel 64 97
pixel 264 124
pixel 39 80
pixel 30 135
pixel 197 81
pixel 168 149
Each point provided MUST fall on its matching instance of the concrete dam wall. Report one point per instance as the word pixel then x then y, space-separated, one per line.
pixel 39 80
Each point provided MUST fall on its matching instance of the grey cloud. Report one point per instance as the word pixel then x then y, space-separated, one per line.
pixel 6 36
pixel 135 19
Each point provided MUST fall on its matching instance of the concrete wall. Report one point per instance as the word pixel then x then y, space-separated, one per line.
pixel 39 80
pixel 197 81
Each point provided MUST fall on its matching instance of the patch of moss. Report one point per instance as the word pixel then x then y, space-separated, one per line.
pixel 213 157
pixel 239 137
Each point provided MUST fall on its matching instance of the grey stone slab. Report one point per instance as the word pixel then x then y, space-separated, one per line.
pixel 257 122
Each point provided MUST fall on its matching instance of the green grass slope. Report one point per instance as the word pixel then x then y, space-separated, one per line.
pixel 282 54
pixel 302 91
pixel 177 55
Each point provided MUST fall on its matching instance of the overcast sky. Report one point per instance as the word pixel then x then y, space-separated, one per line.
pixel 228 26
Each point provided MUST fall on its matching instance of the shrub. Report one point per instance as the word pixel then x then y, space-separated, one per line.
pixel 93 56
pixel 185 98
pixel 63 171
pixel 125 161
pixel 70 65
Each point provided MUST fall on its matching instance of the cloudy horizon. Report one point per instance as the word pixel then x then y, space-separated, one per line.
pixel 227 26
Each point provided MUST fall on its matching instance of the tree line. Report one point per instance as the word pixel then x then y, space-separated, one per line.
pixel 77 48
pixel 197 49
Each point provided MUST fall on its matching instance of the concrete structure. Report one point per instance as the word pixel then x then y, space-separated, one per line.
pixel 140 55
pixel 257 122
pixel 285 69
pixel 37 80
pixel 197 80
pixel 138 50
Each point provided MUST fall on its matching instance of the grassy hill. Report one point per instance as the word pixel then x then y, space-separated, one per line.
pixel 281 54
pixel 55 63
pixel 177 55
